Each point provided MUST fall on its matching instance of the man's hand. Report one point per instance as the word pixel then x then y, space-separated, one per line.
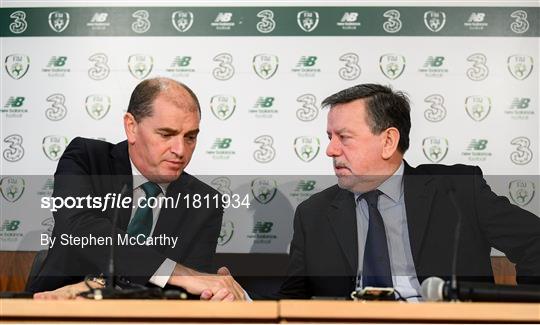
pixel 67 292
pixel 217 287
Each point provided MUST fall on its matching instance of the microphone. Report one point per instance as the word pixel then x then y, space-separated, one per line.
pixel 134 293
pixel 111 283
pixel 436 289
pixel 126 289
pixel 457 236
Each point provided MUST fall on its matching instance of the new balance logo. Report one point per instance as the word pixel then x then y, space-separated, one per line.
pixel 14 102
pixel 306 186
pixel 222 143
pixel 262 227
pixel 181 61
pixel 349 17
pixel 223 17
pixel 520 103
pixel 57 61
pixel 477 17
pixel 264 102
pixel 478 145
pixel 99 17
pixel 10 225
pixel 434 61
pixel 307 61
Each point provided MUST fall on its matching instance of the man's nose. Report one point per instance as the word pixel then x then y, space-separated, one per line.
pixel 334 148
pixel 177 146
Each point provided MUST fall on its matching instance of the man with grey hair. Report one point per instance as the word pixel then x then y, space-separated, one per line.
pixel 387 224
pixel 161 126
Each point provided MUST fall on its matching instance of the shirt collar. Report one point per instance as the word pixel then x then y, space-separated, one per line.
pixel 392 186
pixel 139 179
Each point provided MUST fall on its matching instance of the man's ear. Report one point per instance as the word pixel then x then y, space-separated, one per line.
pixel 390 138
pixel 130 127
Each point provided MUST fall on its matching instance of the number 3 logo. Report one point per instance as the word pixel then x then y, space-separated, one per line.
pixel 15 151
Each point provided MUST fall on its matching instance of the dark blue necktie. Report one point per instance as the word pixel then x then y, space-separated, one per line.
pixel 376 270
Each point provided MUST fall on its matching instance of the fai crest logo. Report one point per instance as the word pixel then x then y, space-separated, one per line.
pixel 97 106
pixel 392 65
pixel 223 106
pixel 226 233
pixel 523 154
pixel 520 66
pixel 393 24
pixel 142 22
pixel 100 70
pixel 265 65
pixel 478 107
pixel 479 71
pixel 140 65
pixel 12 188
pixel 54 146
pixel 435 148
pixel 222 185
pixel 266 151
pixel 17 65
pixel 58 21
pixel 307 20
pixel 225 70
pixel 351 69
pixel 19 23
pixel 57 109
pixel 307 148
pixel 263 189
pixel 436 111
pixel 266 24
pixel 14 151
pixel 521 191
pixel 182 20
pixel 434 20
pixel 520 24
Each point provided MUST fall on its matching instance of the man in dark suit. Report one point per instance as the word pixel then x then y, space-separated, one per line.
pixel 161 125
pixel 387 224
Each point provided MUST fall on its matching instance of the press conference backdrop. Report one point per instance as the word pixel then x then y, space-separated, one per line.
pixel 261 73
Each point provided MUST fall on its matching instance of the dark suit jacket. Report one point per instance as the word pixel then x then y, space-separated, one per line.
pixel 95 168
pixel 323 258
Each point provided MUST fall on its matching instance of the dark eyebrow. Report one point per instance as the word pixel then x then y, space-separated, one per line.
pixel 168 130
pixel 338 131
pixel 192 132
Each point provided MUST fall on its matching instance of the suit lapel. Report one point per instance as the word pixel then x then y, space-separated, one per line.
pixel 419 191
pixel 122 175
pixel 342 218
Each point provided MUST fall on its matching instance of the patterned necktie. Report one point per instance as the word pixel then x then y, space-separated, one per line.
pixel 376 270
pixel 142 221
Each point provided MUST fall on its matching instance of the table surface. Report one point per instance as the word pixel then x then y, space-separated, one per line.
pixel 265 311
pixel 398 311
pixel 137 309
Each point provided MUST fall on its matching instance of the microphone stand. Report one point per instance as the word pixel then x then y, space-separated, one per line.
pixel 454 289
pixel 111 280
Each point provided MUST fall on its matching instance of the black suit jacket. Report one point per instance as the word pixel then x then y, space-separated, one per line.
pixel 323 259
pixel 95 168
